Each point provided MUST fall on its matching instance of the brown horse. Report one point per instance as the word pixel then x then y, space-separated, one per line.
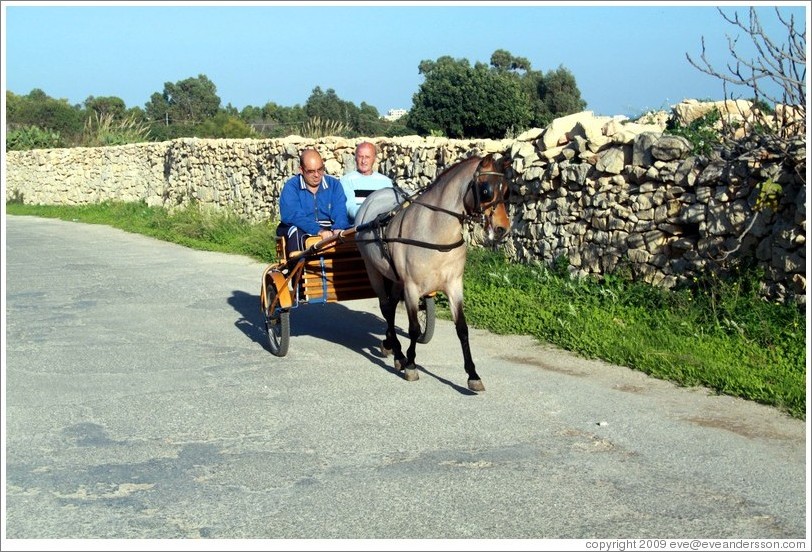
pixel 414 246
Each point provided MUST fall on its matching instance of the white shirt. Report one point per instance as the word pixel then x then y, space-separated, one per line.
pixel 358 186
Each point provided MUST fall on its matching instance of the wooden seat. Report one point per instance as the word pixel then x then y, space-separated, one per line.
pixel 336 272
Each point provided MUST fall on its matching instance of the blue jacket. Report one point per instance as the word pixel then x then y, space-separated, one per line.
pixel 298 207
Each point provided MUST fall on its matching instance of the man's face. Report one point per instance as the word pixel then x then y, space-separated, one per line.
pixel 312 169
pixel 364 159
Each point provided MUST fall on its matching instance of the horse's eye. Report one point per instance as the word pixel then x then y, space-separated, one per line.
pixel 485 192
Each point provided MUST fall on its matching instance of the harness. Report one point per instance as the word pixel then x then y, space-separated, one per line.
pixel 477 214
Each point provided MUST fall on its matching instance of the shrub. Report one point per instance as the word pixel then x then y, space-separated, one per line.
pixel 31 137
pixel 702 132
pixel 104 130
pixel 315 127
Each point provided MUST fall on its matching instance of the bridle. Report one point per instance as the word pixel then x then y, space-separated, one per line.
pixel 477 211
pixel 484 191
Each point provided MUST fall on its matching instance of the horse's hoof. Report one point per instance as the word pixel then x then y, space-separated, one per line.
pixel 475 385
pixel 385 351
pixel 410 374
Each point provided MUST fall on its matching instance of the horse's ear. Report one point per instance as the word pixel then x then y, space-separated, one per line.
pixel 501 164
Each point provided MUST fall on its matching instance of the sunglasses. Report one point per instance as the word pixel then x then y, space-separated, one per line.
pixel 313 171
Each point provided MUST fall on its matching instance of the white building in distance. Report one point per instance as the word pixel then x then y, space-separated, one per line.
pixel 394 114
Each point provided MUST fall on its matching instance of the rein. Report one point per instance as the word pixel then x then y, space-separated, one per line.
pixel 381 221
pixel 378 225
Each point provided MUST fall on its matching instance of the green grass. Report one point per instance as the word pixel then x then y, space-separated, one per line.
pixel 716 334
pixel 193 227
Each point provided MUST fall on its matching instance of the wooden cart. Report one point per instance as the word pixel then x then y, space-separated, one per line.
pixel 326 271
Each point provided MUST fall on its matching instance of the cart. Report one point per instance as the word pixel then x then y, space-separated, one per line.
pixel 326 271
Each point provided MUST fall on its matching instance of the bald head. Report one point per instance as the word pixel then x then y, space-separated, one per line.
pixel 365 154
pixel 312 167
pixel 309 156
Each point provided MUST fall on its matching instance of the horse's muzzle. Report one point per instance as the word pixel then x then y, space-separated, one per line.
pixel 495 235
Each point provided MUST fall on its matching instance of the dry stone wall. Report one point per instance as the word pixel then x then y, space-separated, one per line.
pixel 602 192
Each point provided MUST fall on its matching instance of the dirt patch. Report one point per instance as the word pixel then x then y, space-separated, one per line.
pixel 741 428
pixel 539 363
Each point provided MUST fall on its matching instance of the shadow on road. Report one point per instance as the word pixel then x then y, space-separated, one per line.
pixel 251 321
pixel 333 322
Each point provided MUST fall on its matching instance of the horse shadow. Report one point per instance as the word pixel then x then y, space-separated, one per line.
pixel 333 322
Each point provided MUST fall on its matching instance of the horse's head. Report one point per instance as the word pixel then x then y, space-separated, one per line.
pixel 487 197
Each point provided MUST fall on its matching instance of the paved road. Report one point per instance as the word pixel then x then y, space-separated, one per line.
pixel 141 402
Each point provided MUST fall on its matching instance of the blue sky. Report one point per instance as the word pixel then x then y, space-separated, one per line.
pixel 626 59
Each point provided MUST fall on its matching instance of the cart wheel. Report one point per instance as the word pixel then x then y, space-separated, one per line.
pixel 425 317
pixel 277 323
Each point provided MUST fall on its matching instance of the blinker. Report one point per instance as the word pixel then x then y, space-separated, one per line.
pixel 486 192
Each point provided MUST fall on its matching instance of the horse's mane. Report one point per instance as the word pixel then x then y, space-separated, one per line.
pixel 443 174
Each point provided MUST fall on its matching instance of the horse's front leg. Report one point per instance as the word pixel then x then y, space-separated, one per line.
pixel 458 315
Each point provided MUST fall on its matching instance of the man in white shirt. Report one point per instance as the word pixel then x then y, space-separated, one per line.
pixel 361 182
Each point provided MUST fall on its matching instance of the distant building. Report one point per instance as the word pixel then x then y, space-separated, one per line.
pixel 394 114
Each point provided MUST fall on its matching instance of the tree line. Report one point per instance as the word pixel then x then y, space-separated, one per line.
pixel 457 100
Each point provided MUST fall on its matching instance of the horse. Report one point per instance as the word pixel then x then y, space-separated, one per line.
pixel 413 246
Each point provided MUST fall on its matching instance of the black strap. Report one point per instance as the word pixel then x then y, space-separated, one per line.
pixel 407 241
pixel 379 223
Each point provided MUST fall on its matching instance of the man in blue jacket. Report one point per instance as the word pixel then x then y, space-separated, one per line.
pixel 311 204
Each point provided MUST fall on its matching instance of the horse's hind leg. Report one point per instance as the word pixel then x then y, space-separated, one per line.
pixel 410 371
pixel 389 303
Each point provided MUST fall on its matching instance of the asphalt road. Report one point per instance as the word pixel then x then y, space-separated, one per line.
pixel 141 402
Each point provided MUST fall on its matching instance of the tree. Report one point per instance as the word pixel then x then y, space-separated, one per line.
pixel 251 113
pixel 187 103
pixel 503 61
pixel 558 95
pixel 458 100
pixel 37 109
pixel 461 101
pixel 273 120
pixel 230 110
pixel 224 125
pixel 329 107
pixel 503 105
pixel 14 106
pixel 106 105
pixel 369 122
pixel 438 106
pixel 136 113
pixel 777 74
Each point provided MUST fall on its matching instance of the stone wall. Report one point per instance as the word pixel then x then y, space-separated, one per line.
pixel 603 193
pixel 600 191
pixel 244 175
